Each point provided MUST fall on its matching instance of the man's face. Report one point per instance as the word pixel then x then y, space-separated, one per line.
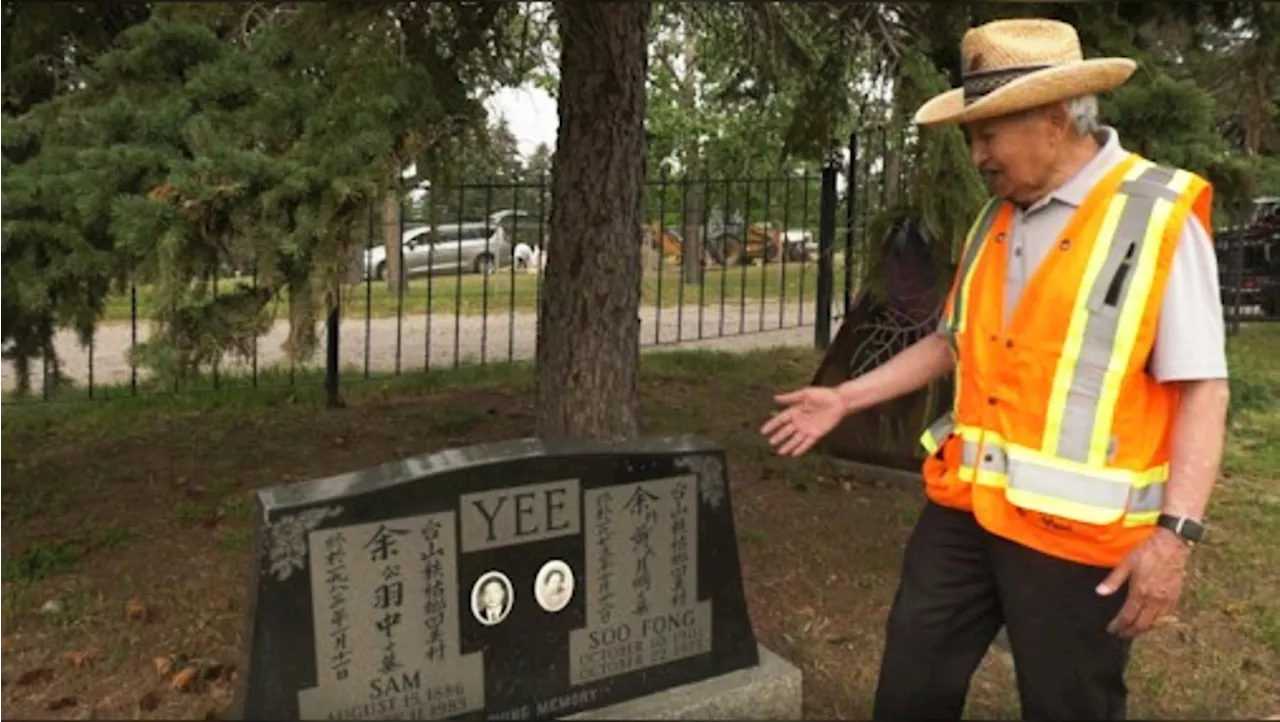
pixel 555 580
pixel 1016 153
pixel 493 595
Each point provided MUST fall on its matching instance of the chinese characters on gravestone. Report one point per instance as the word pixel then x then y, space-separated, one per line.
pixel 680 514
pixel 658 624
pixel 388 597
pixel 436 604
pixel 602 543
pixel 396 627
pixel 644 515
pixel 338 587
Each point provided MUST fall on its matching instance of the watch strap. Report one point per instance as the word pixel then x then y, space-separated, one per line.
pixel 1186 528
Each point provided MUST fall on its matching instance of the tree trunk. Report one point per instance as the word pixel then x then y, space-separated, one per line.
pixel 892 178
pixel 391 238
pixel 589 333
pixel 440 179
pixel 691 247
pixel 691 250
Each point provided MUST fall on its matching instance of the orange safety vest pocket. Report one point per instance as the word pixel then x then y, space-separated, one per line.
pixel 941 470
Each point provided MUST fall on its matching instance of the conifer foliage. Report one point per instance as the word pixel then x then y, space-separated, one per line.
pixel 215 138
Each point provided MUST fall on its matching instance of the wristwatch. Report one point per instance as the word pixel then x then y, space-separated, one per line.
pixel 1187 529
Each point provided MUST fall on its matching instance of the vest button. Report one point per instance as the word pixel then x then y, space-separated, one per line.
pixel 1008 343
pixel 993 338
pixel 991 400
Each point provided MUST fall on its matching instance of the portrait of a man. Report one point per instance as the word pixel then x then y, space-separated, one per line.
pixel 491 598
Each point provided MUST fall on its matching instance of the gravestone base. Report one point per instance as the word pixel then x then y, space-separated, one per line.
pixel 771 690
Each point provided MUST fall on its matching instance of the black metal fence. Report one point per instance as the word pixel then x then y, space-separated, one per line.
pixel 1249 268
pixel 779 258
pixel 463 281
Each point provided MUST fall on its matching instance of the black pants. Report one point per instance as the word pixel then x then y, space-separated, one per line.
pixel 959 585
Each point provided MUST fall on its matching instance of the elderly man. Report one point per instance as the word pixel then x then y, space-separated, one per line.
pixel 1084 326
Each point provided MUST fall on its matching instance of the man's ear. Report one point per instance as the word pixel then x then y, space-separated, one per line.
pixel 1056 115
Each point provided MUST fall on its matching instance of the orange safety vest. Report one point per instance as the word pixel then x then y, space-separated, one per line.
pixel 1059 438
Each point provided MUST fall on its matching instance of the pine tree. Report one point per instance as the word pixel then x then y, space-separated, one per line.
pixel 200 139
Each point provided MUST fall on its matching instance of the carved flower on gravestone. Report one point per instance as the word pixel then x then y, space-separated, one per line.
pixel 287 539
pixel 710 474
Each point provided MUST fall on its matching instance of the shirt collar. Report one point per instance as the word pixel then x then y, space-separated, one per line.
pixel 1077 187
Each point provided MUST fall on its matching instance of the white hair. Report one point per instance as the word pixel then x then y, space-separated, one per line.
pixel 1082 111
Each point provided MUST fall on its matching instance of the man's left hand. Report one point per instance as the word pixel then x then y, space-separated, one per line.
pixel 1155 571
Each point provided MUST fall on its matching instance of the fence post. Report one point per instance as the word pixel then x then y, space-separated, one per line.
pixel 332 399
pixel 1235 247
pixel 826 244
pixel 851 200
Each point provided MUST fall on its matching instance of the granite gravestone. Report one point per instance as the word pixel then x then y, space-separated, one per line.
pixel 513 580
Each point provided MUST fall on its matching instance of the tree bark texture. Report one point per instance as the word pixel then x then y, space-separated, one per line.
pixel 691 252
pixel 589 345
pixel 391 238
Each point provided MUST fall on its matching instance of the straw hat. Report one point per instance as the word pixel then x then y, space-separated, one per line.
pixel 1013 65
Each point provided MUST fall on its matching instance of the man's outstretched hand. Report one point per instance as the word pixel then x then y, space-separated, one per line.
pixel 810 414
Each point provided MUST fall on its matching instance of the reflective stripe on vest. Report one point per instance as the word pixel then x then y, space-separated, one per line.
pixel 972 247
pixel 1104 327
pixel 1095 493
pixel 937 433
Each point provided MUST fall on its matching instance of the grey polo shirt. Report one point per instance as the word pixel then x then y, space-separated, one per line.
pixel 1190 341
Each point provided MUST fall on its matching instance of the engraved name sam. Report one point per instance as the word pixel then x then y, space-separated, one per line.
pixel 520 514
pixel 403 696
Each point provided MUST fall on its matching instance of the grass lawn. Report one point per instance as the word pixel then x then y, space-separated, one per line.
pixel 149 500
pixel 473 294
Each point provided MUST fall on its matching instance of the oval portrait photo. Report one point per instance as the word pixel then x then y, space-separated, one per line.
pixel 553 587
pixel 491 598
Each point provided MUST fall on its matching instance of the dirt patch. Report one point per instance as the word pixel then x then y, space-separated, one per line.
pixel 126 542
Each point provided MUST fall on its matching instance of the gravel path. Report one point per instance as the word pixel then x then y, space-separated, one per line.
pixel 497 337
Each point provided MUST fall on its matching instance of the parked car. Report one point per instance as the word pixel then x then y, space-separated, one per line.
pixel 472 247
